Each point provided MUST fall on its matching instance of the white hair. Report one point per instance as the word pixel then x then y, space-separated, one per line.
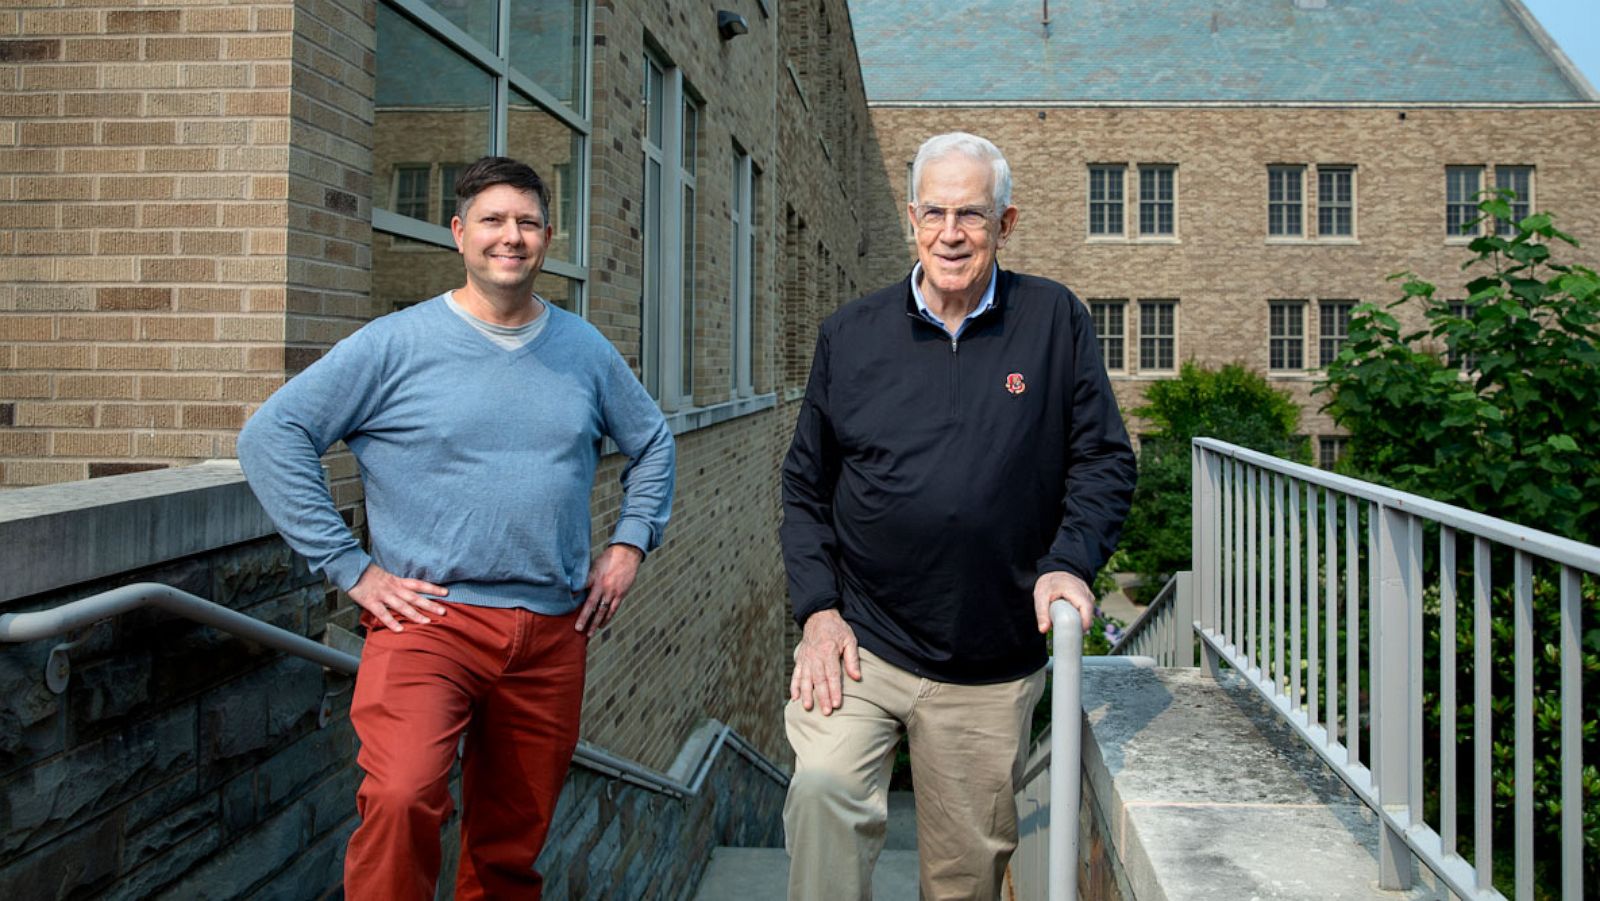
pixel 973 147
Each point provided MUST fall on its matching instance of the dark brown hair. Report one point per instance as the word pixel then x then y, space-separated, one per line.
pixel 500 170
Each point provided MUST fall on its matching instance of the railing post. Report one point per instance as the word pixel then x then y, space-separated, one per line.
pixel 1066 750
pixel 1398 589
pixel 1183 605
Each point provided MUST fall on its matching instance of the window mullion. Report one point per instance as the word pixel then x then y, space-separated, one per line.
pixel 669 339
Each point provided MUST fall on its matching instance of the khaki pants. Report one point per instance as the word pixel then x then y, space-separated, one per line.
pixel 968 745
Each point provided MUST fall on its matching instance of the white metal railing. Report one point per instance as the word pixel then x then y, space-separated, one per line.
pixel 41 624
pixel 1165 630
pixel 1274 540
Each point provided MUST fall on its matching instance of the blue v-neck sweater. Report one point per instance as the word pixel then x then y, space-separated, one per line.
pixel 477 462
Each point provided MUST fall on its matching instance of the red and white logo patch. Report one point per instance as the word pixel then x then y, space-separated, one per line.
pixel 1015 384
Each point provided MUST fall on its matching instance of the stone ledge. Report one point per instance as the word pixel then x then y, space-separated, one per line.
pixel 1205 796
pixel 54 536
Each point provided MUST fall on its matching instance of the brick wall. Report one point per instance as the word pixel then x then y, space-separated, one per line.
pixel 187 195
pixel 1222 268
pixel 144 187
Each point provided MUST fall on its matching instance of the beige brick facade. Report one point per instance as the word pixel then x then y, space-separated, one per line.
pixel 187 195
pixel 1221 266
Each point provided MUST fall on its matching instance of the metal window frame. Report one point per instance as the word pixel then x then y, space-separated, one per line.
pixel 742 306
pixel 496 63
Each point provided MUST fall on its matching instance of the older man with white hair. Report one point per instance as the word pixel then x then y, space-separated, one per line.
pixel 958 464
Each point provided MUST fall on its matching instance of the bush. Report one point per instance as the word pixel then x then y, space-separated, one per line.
pixel 1232 404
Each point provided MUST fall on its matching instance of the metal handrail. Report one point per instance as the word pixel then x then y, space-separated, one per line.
pixel 41 624
pixel 1153 614
pixel 1066 749
pixel 1251 612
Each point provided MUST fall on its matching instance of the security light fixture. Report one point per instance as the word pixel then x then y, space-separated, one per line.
pixel 730 24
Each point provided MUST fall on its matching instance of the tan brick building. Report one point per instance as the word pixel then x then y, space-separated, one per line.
pixel 196 200
pixel 1224 181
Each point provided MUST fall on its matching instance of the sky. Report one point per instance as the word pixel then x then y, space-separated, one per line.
pixel 1573 25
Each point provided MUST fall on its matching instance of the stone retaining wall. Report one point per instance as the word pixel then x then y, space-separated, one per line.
pixel 183 762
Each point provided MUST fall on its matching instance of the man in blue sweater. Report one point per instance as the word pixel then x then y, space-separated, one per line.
pixel 476 418
pixel 958 464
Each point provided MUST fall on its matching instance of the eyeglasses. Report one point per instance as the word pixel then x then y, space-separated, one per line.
pixel 968 218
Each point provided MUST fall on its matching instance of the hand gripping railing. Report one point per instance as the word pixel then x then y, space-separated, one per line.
pixel 1066 749
pixel 69 617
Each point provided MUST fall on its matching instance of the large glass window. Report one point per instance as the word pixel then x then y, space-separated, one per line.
pixel 1105 200
pixel 1461 186
pixel 1158 335
pixel 452 87
pixel 1110 326
pixel 1285 200
pixel 670 142
pixel 1287 340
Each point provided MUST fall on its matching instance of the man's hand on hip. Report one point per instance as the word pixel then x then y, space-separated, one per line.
pixel 610 579
pixel 817 681
pixel 1062 586
pixel 382 594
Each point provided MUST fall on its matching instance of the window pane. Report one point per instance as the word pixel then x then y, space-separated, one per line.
pixel 411 190
pixel 431 108
pixel 548 45
pixel 554 151
pixel 650 298
pixel 478 18
pixel 405 272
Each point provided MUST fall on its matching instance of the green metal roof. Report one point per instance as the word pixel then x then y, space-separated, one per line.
pixel 942 51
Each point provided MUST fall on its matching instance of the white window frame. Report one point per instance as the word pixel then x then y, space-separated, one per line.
pixel 1119 205
pixel 741 209
pixel 1104 313
pixel 1155 304
pixel 1279 335
pixel 1521 207
pixel 1331 340
pixel 1335 204
pixel 1294 210
pixel 1461 207
pixel 1169 201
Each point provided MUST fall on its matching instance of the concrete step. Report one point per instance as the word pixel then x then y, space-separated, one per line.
pixel 762 874
pixel 759 874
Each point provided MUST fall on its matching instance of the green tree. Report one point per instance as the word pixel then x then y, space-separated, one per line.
pixel 1233 404
pixel 1491 404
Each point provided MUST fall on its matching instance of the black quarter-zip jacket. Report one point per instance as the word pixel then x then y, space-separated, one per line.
pixel 932 480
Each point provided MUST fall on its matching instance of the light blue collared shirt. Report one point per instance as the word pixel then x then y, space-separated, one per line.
pixel 984 303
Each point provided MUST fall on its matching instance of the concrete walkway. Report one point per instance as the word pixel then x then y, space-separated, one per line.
pixel 760 874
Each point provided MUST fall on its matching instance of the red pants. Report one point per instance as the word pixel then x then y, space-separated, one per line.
pixel 514 681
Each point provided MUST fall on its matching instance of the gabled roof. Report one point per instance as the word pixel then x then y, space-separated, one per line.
pixel 943 51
